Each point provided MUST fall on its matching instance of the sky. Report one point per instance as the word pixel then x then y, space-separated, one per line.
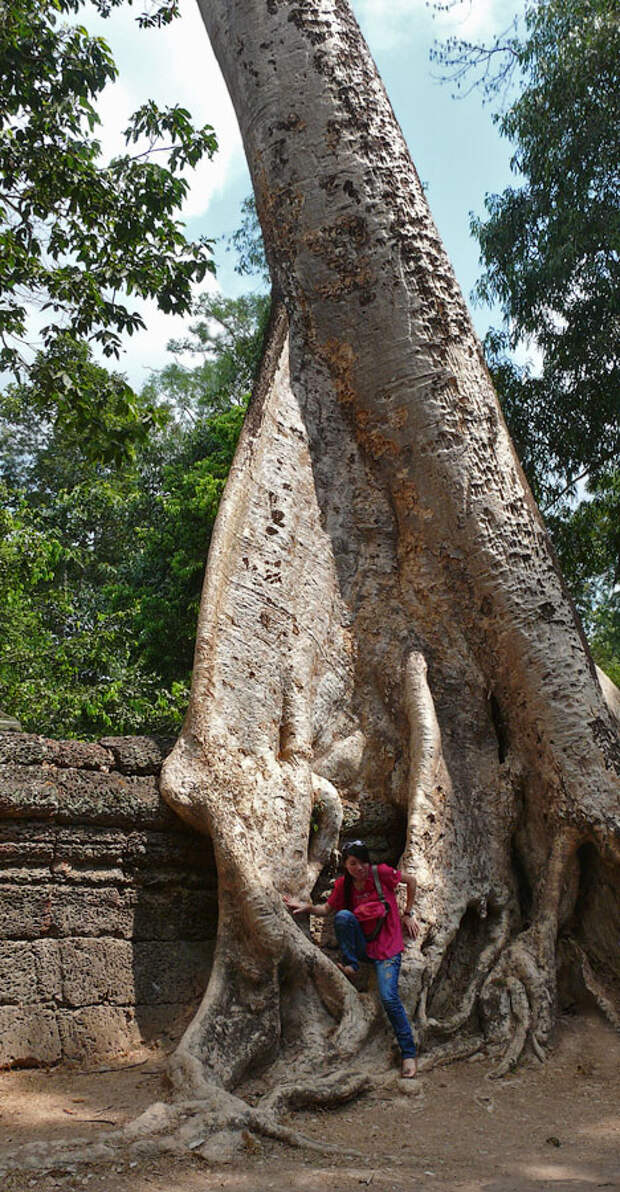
pixel 457 150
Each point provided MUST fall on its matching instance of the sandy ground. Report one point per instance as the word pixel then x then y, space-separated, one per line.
pixel 554 1126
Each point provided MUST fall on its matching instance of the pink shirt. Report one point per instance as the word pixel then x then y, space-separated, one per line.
pixel 389 941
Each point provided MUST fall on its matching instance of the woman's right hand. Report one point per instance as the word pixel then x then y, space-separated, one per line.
pixel 295 905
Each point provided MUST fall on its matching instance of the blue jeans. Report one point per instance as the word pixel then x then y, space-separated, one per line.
pixel 353 947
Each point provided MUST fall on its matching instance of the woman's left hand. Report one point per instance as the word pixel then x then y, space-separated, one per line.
pixel 410 926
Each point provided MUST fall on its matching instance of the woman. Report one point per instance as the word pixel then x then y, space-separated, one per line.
pixel 365 932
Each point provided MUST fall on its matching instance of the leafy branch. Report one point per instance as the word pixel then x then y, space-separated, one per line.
pixel 79 236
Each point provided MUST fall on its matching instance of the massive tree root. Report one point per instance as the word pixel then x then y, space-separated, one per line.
pixel 272 990
pixel 311 689
pixel 214 1128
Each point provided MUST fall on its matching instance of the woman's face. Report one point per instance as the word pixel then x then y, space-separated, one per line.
pixel 358 869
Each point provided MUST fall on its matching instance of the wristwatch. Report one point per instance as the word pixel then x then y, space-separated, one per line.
pixel 408 914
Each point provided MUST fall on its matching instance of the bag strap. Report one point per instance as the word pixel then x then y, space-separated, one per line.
pixel 382 898
pixel 379 887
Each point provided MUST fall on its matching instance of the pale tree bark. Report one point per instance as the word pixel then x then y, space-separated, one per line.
pixel 382 610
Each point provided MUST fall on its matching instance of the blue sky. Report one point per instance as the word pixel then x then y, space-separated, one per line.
pixel 454 144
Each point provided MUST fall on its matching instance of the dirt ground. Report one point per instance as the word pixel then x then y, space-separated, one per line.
pixel 554 1126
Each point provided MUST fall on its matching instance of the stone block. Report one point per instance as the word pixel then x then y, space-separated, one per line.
pixel 95 1032
pixel 48 970
pixel 170 972
pixel 165 1022
pixel 102 912
pixel 73 796
pixel 30 749
pixel 8 724
pixel 96 971
pixel 182 850
pixel 67 873
pixel 135 755
pixel 24 749
pixel 108 902
pixel 54 909
pixel 377 815
pixel 18 978
pixel 86 797
pixel 79 755
pixel 61 909
pixel 174 913
pixel 24 845
pixel 28 1037
pixel 378 823
pixel 25 912
pixel 28 792
pixel 90 848
pixel 29 972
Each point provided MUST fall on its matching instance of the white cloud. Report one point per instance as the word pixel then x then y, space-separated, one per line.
pixel 386 23
pixel 147 350
pixel 172 66
pixel 528 353
pixel 475 18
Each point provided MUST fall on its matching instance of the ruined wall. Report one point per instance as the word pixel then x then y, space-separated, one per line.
pixel 108 904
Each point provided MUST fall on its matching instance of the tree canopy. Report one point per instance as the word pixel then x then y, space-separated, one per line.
pixel 550 251
pixel 81 237
pixel 550 245
pixel 101 564
pixel 108 496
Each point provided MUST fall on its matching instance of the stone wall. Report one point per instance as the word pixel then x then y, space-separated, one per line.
pixel 108 904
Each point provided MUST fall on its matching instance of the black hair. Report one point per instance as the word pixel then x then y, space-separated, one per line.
pixel 355 848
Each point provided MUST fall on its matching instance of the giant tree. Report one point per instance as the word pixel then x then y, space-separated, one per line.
pixel 382 611
pixel 382 618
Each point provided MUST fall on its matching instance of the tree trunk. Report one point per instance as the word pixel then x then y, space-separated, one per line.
pixel 383 614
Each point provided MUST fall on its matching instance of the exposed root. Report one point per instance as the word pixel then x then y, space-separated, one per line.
pixel 336 993
pixel 328 811
pixel 486 960
pixel 211 1128
pixel 336 1089
pixel 185 1071
pixel 356 1015
pixel 449 1053
pixel 238 1025
pixel 426 761
pixel 539 1051
pixel 527 970
pixel 425 736
pixel 272 1129
pixel 162 1128
pixel 518 999
pixel 594 985
pixel 521 1011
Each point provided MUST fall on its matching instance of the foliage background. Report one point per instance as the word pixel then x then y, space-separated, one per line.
pixel 550 256
pixel 101 564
